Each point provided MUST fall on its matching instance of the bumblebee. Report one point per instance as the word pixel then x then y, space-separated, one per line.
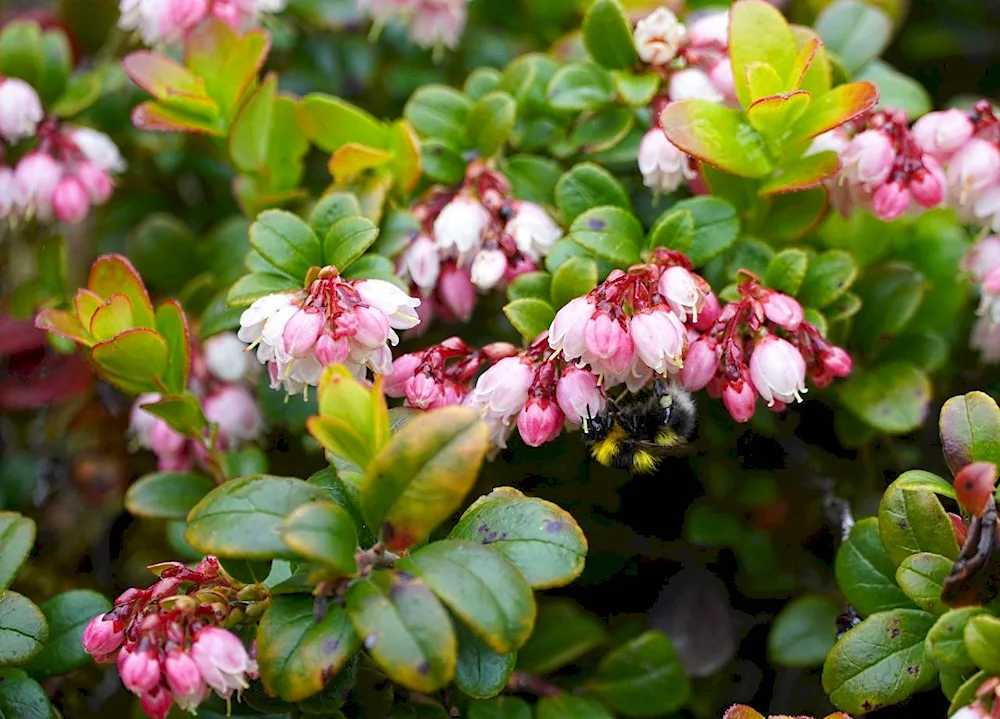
pixel 637 432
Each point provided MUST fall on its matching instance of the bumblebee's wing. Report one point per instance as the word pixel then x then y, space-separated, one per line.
pixel 660 450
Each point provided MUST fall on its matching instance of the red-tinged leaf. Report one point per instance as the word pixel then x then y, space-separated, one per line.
pixel 405 156
pixel 811 71
pixel 350 160
pixel 717 135
pixel 198 108
pixel 772 116
pixel 228 62
pixel 758 33
pixel 740 711
pixel 842 104
pixel 803 61
pixel 114 274
pixel 36 383
pixel 64 324
pixel 807 172
pixel 763 80
pixel 19 336
pixel 160 76
pixel 134 361
pixel 154 117
pixel 171 323
pixel 111 318
pixel 86 303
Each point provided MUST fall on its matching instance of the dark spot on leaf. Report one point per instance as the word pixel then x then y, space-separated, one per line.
pixel 491 537
pixel 552 525
pixel 370 641
pixel 913 669
pixel 867 705
pixel 424 668
pixel 405 576
pixel 482 528
pixel 596 223
pixel 327 673
pixel 902 524
pixel 330 645
pixel 893 628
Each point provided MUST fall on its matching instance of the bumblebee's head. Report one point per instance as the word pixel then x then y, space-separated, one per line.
pixel 596 428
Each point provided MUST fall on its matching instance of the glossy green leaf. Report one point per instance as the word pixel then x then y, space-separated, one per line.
pixel 804 631
pixel 758 34
pixel 248 139
pixel 716 227
pixel 794 215
pixel 530 285
pixel 114 274
pixel 228 61
pixel 441 161
pixel 532 178
pixel 966 693
pixel 574 278
pixel 530 316
pixel 565 706
pixel 920 576
pixel 642 678
pixel 330 208
pixel 586 186
pixel 67 615
pixel 297 652
pixel 945 641
pixel 982 641
pixel 539 538
pixel 609 233
pixel 717 135
pixel 481 81
pixel 803 174
pixel 911 522
pixel 500 708
pixel 857 31
pixel 580 86
pixel 133 361
pixel 829 275
pixel 893 397
pixel 323 532
pixel 405 629
pixel 787 270
pixel 354 423
pixel 880 662
pixel 164 251
pixel 919 480
pixel 331 122
pixel 865 573
pixel 22 697
pixel 480 587
pixel 22 54
pixel 111 318
pixel 181 411
pixel 438 111
pixel 286 242
pixel 607 35
pixel 438 456
pixel 242 519
pixel 167 495
pixel 970 430
pixel 636 90
pixel 601 131
pixel 17 537
pixel 347 240
pixel 480 672
pixel 258 284
pixel 773 115
pixel 891 295
pixel 563 633
pixel 842 104
pixel 674 229
pixel 490 121
pixel 23 630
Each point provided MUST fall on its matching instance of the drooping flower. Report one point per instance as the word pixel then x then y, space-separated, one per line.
pixel 222 660
pixel 777 370
pixel 662 164
pixel 659 36
pixel 20 110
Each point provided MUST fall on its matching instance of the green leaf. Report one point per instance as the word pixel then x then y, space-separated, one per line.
pixel 539 538
pixel 114 274
pixel 438 457
pixel 480 587
pixel 481 81
pixel 323 532
pixel 607 35
pixel 896 90
pixel 893 397
pixel 970 430
pixel 674 229
pixel 636 90
pixel 441 161
pixel 500 708
pixel 167 495
pixel 803 174
pixel 966 693
pixel 787 270
pixel 642 678
pixel 286 242
pixel 586 186
pixel 526 78
pixel 82 90
pixel 580 86
pixel 716 227
pixel 23 630
pixel 405 629
pixel 133 361
pixel 259 284
pixel 56 67
pixel 576 277
pixel 793 216
pixel 982 641
pixel 242 519
pixel 164 250
pixel 532 178
pixel 296 652
pixel 354 423
pixel 759 34
pixel 563 633
pixel 480 672
pixel 565 706
pixel 490 121
pixel 890 295
pixel 330 208
pixel 248 138
pixel 945 642
pixel 804 631
pixel 21 51
pixel 717 135
pixel 330 123
pixel 856 31
pixel 772 115
pixel 609 233
pixel 919 480
pixel 181 411
pixel 67 615
pixel 920 576
pixel 438 111
pixel 346 240
pixel 530 285
pixel 600 131
pixel 530 316
pixel 912 522
pixel 17 537
pixel 880 662
pixel 829 275
pixel 865 573
pixel 842 104
pixel 22 697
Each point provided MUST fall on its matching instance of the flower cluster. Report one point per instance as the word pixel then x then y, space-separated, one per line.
pixel 429 23
pixel 473 237
pixel 335 321
pixel 983 265
pixel 20 110
pixel 694 61
pixel 986 704
pixel 167 21
pixel 168 641
pixel 221 375
pixel 70 170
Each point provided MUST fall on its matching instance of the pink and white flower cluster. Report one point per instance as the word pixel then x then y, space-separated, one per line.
pixel 222 375
pixel 429 23
pixel 335 321
pixel 694 62
pixel 20 110
pixel 983 265
pixel 168 21
pixel 70 170
pixel 167 641
pixel 473 238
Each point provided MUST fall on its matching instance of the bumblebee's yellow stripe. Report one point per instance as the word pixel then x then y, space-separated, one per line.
pixel 643 462
pixel 666 437
pixel 607 449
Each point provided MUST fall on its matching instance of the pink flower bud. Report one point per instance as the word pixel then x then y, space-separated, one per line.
pixel 523 266
pixel 20 109
pixel 452 393
pixel 777 370
pixel 782 310
pixel 373 327
pixel 659 36
pixel 156 703
pixel 868 158
pixel 165 440
pixel 709 313
pixel 97 182
pixel 456 292
pixel 608 341
pixel 222 660
pixel 678 286
pixel 330 351
pixel 187 14
pixel 942 133
pixel 437 24
pixel 663 165
pixel 301 332
pixel 721 73
pixel 659 339
pixel 403 368
pixel 739 398
pixel 235 410
pixel 227 11
pixel 710 30
pixel 70 200
pixel 184 680
pixel 140 671
pixel 890 201
pixel 488 268
pixel 226 358
pixel 423 262
pixel 837 362
pixel 700 363
pixel 540 421
pixel 37 175
pixel 503 388
pixel 567 328
pixel 422 390
pixel 927 184
pixel 100 638
pixel 579 394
